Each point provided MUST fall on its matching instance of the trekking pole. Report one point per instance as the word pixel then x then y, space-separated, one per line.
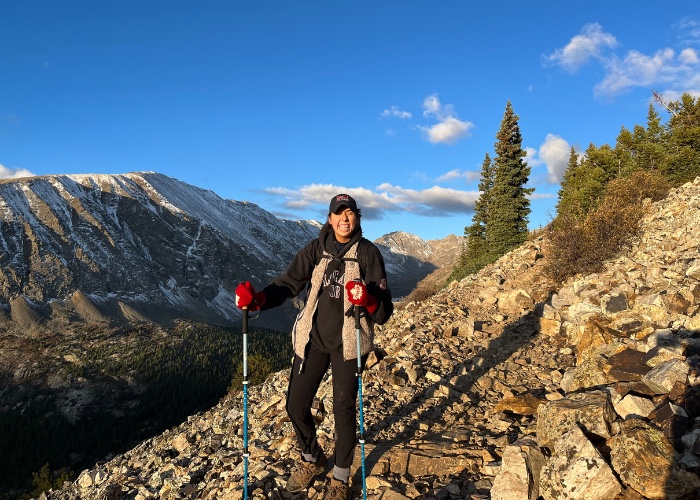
pixel 245 404
pixel 359 392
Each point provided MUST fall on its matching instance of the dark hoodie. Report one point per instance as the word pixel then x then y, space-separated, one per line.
pixel 326 333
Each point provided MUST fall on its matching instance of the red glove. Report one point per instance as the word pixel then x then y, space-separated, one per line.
pixel 246 297
pixel 359 296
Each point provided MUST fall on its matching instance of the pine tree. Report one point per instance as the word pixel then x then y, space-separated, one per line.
pixel 584 182
pixel 509 206
pixel 655 131
pixel 682 164
pixel 627 150
pixel 568 182
pixel 477 231
pixel 476 252
pixel 647 144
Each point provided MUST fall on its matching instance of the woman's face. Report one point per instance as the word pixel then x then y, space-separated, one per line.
pixel 343 223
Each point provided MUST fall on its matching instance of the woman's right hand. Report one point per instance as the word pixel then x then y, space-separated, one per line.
pixel 248 298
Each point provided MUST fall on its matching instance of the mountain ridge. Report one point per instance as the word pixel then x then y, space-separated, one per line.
pixel 139 247
pixel 410 260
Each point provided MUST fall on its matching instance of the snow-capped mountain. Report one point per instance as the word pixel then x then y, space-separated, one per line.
pixel 146 247
pixel 138 246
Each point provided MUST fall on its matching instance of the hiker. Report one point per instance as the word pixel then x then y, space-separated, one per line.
pixel 324 334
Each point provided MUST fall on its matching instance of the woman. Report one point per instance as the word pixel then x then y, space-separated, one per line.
pixel 324 334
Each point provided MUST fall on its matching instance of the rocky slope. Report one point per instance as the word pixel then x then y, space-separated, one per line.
pixel 501 386
pixel 410 260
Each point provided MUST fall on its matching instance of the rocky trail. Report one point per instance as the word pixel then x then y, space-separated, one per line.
pixel 501 386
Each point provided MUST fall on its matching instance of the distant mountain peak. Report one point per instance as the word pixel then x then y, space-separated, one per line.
pixel 152 243
pixel 409 259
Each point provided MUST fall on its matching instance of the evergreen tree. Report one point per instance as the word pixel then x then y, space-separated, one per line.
pixel 476 233
pixel 568 182
pixel 476 252
pixel 647 145
pixel 655 131
pixel 682 164
pixel 509 207
pixel 627 150
pixel 584 182
pixel 607 160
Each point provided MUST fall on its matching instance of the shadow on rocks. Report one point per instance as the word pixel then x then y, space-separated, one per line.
pixel 427 421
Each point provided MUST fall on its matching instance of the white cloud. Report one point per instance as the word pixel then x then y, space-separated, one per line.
pixel 531 157
pixel 555 152
pixel 448 131
pixel 432 202
pixel 395 112
pixel 431 105
pixel 449 128
pixel 9 173
pixel 688 29
pixel 688 56
pixel 450 176
pixel 541 196
pixel 638 70
pixel 589 44
pixel 468 175
pixel 674 71
pixel 313 195
pixel 676 95
pixel 472 176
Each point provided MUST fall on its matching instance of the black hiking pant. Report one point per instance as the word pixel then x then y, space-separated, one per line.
pixel 303 385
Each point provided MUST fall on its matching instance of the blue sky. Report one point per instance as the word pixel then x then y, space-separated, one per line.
pixel 285 104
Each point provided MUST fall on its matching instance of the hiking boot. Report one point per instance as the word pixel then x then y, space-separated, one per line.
pixel 337 490
pixel 304 473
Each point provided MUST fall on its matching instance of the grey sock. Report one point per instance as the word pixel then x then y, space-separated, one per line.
pixel 308 457
pixel 341 474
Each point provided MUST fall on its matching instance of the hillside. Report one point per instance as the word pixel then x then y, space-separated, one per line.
pixel 502 385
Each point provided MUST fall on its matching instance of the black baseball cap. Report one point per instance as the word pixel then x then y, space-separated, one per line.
pixel 342 200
